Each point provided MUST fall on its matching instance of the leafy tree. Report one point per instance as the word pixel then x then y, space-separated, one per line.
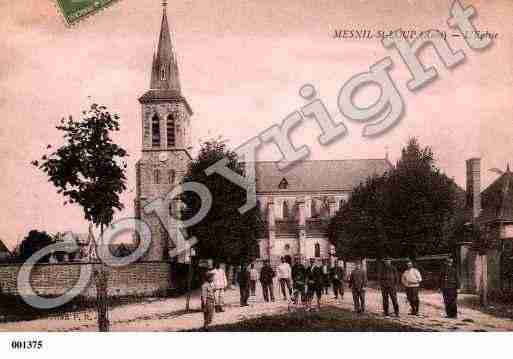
pixel 224 234
pixel 89 170
pixel 33 242
pixel 411 210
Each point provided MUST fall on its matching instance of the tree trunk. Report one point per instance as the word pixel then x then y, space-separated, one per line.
pixel 101 293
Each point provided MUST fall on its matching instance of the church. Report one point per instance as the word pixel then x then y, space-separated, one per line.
pixel 295 205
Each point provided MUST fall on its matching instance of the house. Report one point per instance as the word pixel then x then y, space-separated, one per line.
pixel 5 254
pixel 487 261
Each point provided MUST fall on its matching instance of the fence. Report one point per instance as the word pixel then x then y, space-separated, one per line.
pixel 140 278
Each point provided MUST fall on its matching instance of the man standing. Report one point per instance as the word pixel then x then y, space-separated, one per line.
pixel 284 276
pixel 253 277
pixel 299 279
pixel 243 280
pixel 357 283
pixel 338 275
pixel 267 275
pixel 389 280
pixel 326 276
pixel 315 281
pixel 449 284
pixel 220 284
pixel 411 281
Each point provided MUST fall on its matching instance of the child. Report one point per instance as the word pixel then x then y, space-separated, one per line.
pixel 208 299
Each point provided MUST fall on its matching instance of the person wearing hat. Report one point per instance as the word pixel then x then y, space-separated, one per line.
pixel 220 283
pixel 285 278
pixel 208 292
pixel 267 275
pixel 253 277
pixel 315 283
pixel 449 284
pixel 243 278
pixel 389 280
pixel 411 279
pixel 299 279
pixel 358 283
pixel 338 275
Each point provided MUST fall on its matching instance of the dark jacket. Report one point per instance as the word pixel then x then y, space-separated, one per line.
pixel 358 279
pixel 298 273
pixel 243 278
pixel 338 274
pixel 315 277
pixel 388 277
pixel 267 274
pixel 449 278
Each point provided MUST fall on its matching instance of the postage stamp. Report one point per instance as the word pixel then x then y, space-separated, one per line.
pixel 75 10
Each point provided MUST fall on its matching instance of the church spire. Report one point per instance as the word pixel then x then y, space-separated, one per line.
pixel 165 67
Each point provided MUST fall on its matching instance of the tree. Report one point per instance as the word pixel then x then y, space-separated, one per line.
pixel 33 242
pixel 225 235
pixel 411 210
pixel 89 170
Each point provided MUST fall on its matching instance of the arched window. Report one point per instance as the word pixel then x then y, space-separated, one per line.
pixel 325 210
pixel 314 209
pixel 163 75
pixel 155 131
pixel 317 250
pixel 156 176
pixel 341 203
pixel 285 210
pixel 171 131
pixel 283 184
pixel 171 176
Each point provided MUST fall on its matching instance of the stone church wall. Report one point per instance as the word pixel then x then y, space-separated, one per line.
pixel 141 278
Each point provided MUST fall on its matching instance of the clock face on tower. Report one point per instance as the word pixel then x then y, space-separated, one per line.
pixel 163 157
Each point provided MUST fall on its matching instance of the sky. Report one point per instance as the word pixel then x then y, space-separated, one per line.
pixel 241 65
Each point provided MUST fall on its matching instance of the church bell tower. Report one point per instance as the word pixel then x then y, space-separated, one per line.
pixel 165 138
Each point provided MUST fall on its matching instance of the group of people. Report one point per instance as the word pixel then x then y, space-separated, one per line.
pixel 411 279
pixel 301 284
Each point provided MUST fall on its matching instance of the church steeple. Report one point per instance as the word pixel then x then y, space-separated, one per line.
pixel 164 75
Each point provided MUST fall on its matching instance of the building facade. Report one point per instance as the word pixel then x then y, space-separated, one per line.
pixel 295 205
pixel 487 261
pixel 166 123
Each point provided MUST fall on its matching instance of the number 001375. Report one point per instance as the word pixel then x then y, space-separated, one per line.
pixel 26 344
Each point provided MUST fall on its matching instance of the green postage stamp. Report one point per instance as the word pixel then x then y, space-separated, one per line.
pixel 74 10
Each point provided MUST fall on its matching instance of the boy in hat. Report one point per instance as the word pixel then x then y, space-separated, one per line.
pixel 208 299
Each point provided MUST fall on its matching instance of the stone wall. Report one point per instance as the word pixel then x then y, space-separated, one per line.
pixel 141 278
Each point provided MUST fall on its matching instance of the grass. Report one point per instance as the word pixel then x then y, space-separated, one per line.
pixel 329 319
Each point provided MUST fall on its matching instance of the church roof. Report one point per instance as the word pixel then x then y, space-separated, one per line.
pixel 164 74
pixel 165 79
pixel 318 176
pixel 164 95
pixel 3 247
pixel 497 199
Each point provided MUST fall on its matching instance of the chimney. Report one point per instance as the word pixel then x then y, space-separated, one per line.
pixel 474 186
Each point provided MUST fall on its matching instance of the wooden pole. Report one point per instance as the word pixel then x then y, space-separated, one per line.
pixel 189 284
